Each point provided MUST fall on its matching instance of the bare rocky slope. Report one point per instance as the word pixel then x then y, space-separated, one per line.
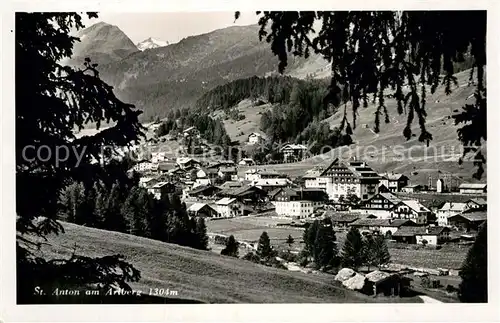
pixel 103 43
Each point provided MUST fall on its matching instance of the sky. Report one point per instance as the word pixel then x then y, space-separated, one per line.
pixel 171 26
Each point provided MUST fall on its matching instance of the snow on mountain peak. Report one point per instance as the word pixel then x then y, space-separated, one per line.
pixel 151 43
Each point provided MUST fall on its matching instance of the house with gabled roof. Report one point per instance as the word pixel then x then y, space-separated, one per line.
pixel 256 138
pixel 293 152
pixel 477 203
pixel 468 221
pixel 394 182
pixel 202 210
pixel 386 227
pixel 472 188
pixel 412 210
pixel 228 207
pixel 342 178
pixel 449 209
pixel 433 235
pixel 381 205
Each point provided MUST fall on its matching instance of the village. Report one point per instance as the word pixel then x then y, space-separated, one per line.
pixel 240 200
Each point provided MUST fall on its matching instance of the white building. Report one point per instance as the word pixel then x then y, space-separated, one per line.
pixel 158 156
pixel 393 181
pixel 269 184
pixel 311 178
pixel 470 188
pixel 298 203
pixel 440 187
pixel 229 207
pixel 255 138
pixel 255 174
pixel 449 209
pixel 293 152
pixel 344 178
pixel 145 166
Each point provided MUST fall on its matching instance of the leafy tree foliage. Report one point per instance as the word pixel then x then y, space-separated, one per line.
pixel 51 101
pixel 352 255
pixel 474 271
pixel 231 248
pixel 406 54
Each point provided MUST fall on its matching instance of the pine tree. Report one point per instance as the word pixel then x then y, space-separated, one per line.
pixel 309 237
pixel 52 100
pixel 114 219
pixel 352 251
pixel 474 271
pixel 325 249
pixel 382 255
pixel 101 197
pixel 201 234
pixel 231 248
pixel 264 250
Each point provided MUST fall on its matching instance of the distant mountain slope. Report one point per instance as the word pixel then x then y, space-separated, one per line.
pixel 419 162
pixel 175 76
pixel 203 275
pixel 151 43
pixel 103 43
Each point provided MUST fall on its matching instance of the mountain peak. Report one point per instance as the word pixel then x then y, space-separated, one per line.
pixel 150 43
pixel 103 43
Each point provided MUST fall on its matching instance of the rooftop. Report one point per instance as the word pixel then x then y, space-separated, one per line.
pixel 415 205
pixel 409 231
pixel 197 206
pixel 383 222
pixel 477 216
pixel 454 206
pixel 225 201
pixel 473 185
pixel 480 201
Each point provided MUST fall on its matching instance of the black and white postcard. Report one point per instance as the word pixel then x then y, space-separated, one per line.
pixel 238 156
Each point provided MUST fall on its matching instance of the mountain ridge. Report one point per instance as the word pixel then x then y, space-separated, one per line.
pixel 103 43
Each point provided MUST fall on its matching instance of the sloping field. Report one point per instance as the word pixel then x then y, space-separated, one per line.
pixel 239 130
pixel 203 275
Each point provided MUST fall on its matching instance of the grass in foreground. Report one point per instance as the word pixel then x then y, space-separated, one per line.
pixel 203 275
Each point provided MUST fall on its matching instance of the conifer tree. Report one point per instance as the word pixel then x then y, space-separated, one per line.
pixel 52 100
pixel 474 271
pixel 114 219
pixel 264 250
pixel 231 248
pixel 325 249
pixel 201 234
pixel 352 252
